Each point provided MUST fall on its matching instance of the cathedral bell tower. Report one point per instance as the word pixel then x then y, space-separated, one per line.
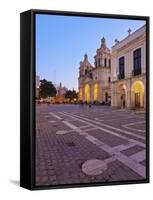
pixel 85 76
pixel 103 43
pixel 102 58
pixel 85 67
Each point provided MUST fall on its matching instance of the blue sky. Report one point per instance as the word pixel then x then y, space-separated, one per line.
pixel 62 41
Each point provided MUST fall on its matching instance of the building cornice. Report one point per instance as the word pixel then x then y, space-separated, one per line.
pixel 130 38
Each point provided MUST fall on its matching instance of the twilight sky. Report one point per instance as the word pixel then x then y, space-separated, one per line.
pixel 62 41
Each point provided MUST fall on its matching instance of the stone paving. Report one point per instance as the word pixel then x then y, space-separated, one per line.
pixel 78 144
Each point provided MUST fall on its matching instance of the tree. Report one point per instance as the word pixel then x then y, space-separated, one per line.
pixel 71 95
pixel 47 89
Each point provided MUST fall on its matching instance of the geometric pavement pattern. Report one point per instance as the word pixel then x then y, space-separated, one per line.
pixel 78 144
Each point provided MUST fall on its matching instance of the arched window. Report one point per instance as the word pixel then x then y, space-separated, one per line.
pixel 99 62
pixel 86 71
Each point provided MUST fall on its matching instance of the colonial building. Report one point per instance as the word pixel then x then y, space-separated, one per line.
pixel 94 81
pixel 128 72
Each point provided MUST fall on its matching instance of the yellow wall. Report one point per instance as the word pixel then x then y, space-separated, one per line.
pixel 87 92
pixel 96 92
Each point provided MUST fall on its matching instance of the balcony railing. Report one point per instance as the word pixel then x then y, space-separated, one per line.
pixel 136 72
pixel 121 76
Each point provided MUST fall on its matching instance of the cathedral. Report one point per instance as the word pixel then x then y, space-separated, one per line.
pixel 94 81
pixel 118 77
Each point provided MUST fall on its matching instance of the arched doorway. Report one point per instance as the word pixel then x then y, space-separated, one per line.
pixel 137 94
pixel 96 88
pixel 106 97
pixel 87 93
pixel 122 96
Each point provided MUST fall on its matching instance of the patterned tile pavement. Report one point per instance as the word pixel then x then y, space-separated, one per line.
pixel 69 135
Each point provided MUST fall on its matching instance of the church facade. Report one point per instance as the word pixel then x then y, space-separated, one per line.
pixel 94 81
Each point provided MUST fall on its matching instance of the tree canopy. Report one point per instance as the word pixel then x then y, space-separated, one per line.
pixel 71 95
pixel 47 89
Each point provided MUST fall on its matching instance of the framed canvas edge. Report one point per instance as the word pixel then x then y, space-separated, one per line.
pixel 31 101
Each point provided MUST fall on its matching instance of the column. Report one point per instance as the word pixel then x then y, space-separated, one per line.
pixel 128 94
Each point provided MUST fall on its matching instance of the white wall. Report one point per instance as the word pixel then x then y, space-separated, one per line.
pixel 9 101
pixel 128 58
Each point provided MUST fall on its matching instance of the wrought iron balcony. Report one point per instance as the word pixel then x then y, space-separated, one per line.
pixel 136 72
pixel 121 76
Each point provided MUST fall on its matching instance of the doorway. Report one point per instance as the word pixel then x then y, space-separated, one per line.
pixel 137 100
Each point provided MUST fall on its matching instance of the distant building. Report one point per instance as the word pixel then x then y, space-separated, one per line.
pixel 61 90
pixel 60 96
pixel 128 73
pixel 94 81
pixel 37 86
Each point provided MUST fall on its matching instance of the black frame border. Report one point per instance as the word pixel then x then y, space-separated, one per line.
pixel 27 97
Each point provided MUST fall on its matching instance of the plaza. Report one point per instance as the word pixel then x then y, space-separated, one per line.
pixel 82 144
